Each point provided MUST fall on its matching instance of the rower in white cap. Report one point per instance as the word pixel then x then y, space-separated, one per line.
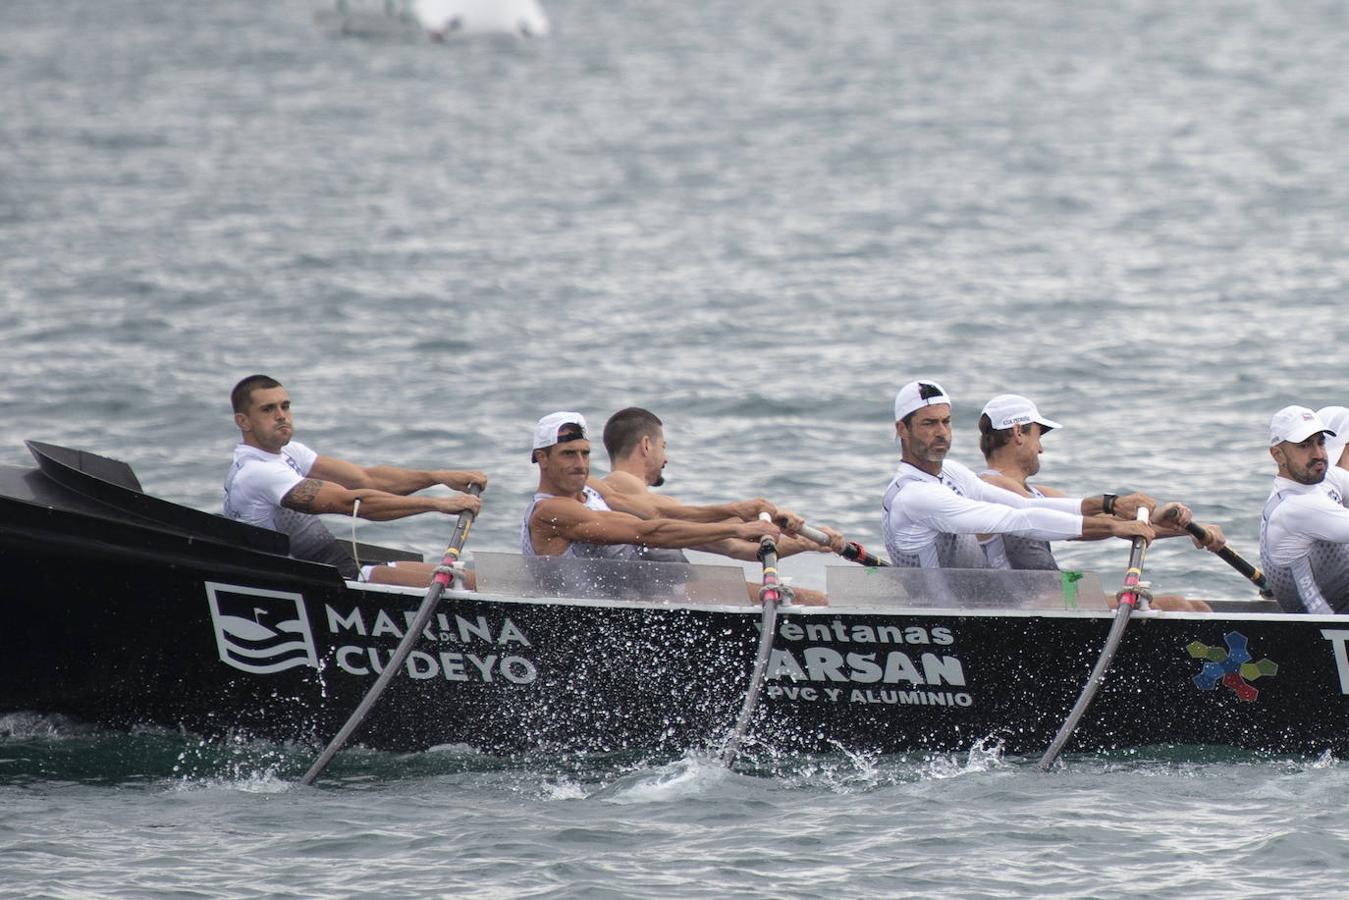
pixel 1304 529
pixel 1336 418
pixel 1010 429
pixel 569 518
pixel 934 508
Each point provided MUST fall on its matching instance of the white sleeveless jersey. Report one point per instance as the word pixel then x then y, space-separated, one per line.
pixel 576 549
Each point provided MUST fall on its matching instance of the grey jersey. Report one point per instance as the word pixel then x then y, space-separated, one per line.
pixel 660 554
pixel 310 539
pixel 1010 551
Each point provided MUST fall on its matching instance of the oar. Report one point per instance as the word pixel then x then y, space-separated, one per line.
pixel 1235 560
pixel 1128 599
pixel 771 596
pixel 439 582
pixel 852 550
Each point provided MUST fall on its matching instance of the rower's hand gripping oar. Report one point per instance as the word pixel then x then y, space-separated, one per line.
pixel 770 595
pixel 852 550
pixel 1129 595
pixel 439 582
pixel 1235 560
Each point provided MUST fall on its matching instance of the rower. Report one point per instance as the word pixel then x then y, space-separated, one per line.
pixel 934 508
pixel 277 482
pixel 634 438
pixel 1010 432
pixel 1304 529
pixel 568 517
pixel 1336 418
pixel 635 441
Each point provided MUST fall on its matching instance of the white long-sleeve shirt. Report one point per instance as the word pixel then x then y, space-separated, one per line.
pixel 1305 513
pixel 1304 543
pixel 920 508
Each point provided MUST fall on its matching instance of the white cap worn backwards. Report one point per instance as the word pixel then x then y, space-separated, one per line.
pixel 1336 418
pixel 910 397
pixel 1295 424
pixel 1006 410
pixel 549 430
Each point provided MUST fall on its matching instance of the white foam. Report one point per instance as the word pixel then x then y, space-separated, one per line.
pixel 692 775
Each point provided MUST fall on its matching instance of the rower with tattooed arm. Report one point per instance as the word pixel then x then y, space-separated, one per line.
pixel 279 483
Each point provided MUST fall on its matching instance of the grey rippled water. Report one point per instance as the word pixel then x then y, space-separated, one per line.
pixel 757 218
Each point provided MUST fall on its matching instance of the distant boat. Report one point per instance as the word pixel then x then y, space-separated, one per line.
pixel 440 18
pixel 437 19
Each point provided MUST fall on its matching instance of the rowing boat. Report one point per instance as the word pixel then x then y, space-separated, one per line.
pixel 125 609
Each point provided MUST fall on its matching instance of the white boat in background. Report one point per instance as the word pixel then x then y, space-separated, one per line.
pixel 439 19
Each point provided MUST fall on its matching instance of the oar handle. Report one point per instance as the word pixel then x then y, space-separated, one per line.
pixel 1234 559
pixel 768 555
pixel 1135 573
pixel 457 539
pixel 852 550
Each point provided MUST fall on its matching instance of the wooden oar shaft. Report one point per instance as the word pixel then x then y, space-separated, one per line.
pixel 853 551
pixel 439 582
pixel 1234 559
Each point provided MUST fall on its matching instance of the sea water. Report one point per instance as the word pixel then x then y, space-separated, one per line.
pixel 756 219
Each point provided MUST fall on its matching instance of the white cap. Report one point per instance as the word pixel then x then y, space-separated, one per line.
pixel 1336 418
pixel 910 397
pixel 546 432
pixel 1295 424
pixel 1006 410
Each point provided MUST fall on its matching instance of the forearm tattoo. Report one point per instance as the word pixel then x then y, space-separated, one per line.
pixel 302 496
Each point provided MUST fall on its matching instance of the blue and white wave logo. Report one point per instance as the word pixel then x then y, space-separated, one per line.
pixel 260 631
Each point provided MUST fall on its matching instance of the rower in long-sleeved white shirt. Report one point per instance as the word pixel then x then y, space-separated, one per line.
pixel 1304 529
pixel 931 520
pixel 933 509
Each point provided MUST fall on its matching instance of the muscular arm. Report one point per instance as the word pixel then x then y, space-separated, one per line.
pixel 559 521
pixel 625 493
pixel 749 550
pixel 313 495
pixel 391 479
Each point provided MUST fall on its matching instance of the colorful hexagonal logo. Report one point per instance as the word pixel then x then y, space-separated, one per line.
pixel 1232 667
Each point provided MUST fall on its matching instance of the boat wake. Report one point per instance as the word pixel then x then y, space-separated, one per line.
pixel 44 747
pixel 38 747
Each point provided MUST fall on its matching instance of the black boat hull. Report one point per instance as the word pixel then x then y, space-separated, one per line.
pixel 115 619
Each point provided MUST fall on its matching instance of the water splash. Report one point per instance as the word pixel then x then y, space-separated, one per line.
pixel 986 755
pixel 695 774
